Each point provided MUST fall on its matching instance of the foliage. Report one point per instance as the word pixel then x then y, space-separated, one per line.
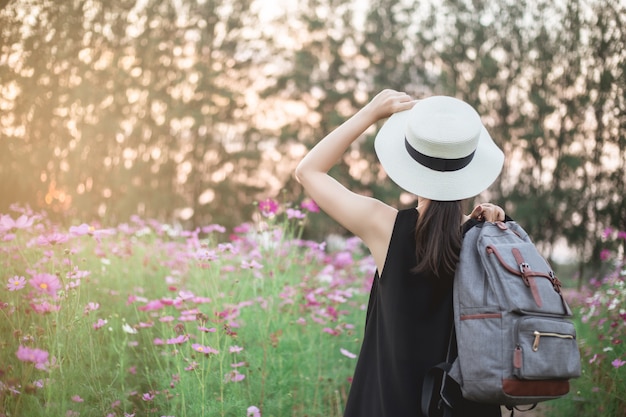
pixel 121 108
pixel 601 315
pixel 150 319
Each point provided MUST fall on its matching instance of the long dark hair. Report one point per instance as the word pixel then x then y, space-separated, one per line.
pixel 438 239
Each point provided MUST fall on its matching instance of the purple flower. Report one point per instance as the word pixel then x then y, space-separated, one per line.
pixel 343 259
pixel 310 205
pixel 46 283
pixel 268 207
pixel 16 283
pixel 347 353
pixel 253 411
pixel 99 324
pixel 253 264
pixel 52 239
pixel 621 235
pixel 179 340
pixel 207 350
pixel 618 363
pixel 605 254
pixel 81 230
pixel 235 349
pixel 36 356
pixel 22 222
pixel 91 306
pixel 234 376
pixel 295 214
pixel 607 232
pixel 213 228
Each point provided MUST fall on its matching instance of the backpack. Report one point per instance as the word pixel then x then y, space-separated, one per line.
pixel 515 340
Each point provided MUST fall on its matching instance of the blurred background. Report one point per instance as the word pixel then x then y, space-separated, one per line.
pixel 189 111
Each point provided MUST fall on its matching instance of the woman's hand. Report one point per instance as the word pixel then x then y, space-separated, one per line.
pixel 487 212
pixel 388 102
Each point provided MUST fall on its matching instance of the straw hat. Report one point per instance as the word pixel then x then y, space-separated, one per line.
pixel 439 150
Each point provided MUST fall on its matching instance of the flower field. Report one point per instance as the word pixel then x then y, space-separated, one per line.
pixel 148 319
pixel 600 313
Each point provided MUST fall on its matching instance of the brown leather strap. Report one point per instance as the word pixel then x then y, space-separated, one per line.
pixel 528 276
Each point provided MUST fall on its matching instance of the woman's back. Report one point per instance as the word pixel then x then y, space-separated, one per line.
pixel 405 332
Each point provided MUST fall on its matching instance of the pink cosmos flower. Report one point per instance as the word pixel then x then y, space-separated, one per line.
pixel 207 350
pixel 343 259
pixel 268 207
pixel 295 214
pixel 22 222
pixel 16 283
pixel 81 230
pixel 253 264
pixel 193 365
pixel 310 205
pixel 253 411
pixel 605 254
pixel 235 349
pixel 206 329
pixel 179 340
pixel 234 376
pixel 36 356
pixel 607 232
pixel 46 283
pixel 99 324
pixel 347 353
pixel 44 307
pixel 77 399
pixel 621 235
pixel 52 239
pixel 148 396
pixel 618 363
pixel 243 228
pixel 152 306
pixel 91 306
pixel 213 228
pixel 330 331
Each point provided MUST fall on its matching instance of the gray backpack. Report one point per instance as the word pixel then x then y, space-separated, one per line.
pixel 516 343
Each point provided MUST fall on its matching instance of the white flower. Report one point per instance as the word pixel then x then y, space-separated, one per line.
pixel 128 329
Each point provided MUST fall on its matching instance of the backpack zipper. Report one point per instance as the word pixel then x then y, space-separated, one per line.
pixel 547 334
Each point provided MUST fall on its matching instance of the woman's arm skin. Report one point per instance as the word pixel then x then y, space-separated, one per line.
pixel 367 218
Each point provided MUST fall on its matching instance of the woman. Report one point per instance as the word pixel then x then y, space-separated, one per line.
pixel 437 149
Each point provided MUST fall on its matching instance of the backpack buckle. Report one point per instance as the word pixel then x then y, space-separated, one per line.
pixel 524 267
pixel 556 283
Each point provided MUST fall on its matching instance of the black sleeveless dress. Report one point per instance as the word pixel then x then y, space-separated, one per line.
pixel 407 327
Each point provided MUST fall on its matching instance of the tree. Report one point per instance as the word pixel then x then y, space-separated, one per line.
pixel 119 108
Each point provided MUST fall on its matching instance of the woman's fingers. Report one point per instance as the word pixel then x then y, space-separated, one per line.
pixel 488 212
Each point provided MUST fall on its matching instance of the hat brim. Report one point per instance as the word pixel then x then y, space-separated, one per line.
pixel 417 179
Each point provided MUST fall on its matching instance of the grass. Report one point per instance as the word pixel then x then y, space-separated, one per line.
pixel 147 319
pixel 155 321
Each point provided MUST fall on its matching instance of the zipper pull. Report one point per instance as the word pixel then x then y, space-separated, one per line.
pixel 536 342
pixel 517 357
